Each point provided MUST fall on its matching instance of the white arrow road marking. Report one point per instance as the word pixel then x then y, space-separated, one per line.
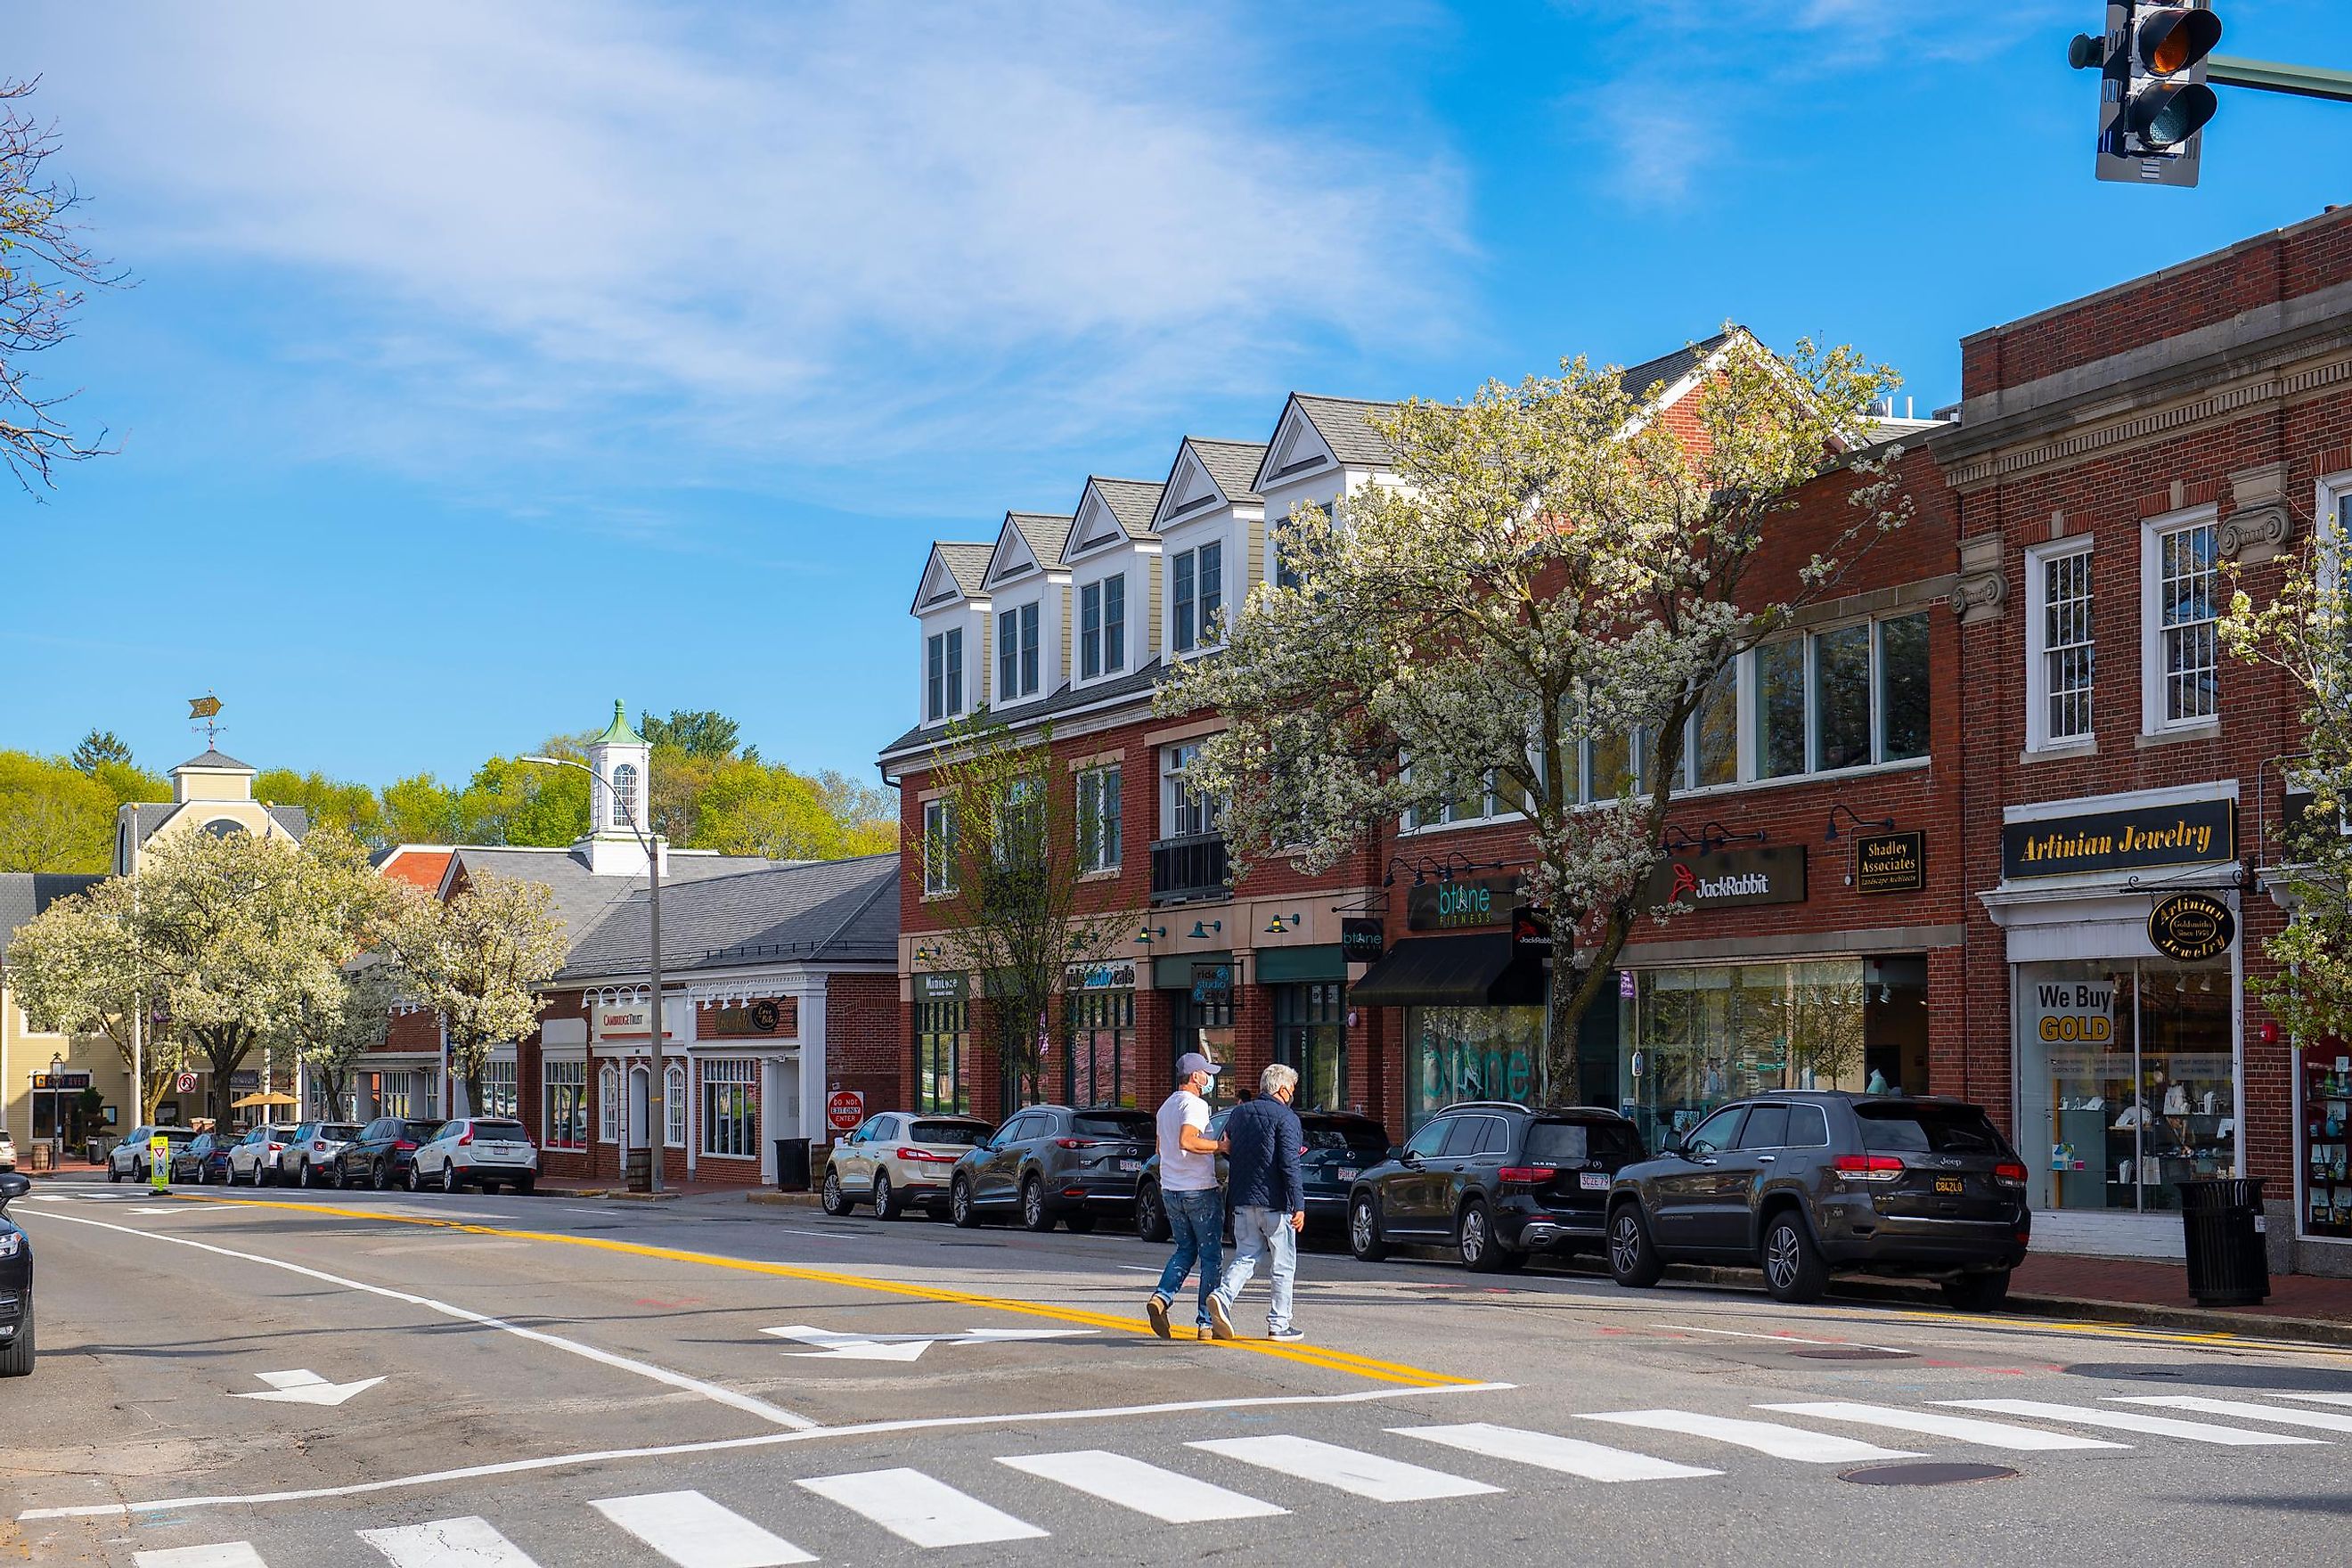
pixel 303 1386
pixel 909 1347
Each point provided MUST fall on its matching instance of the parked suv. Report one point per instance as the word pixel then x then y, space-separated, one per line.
pixel 254 1158
pixel 203 1159
pixel 1339 1147
pixel 309 1159
pixel 129 1158
pixel 16 1283
pixel 7 1152
pixel 1053 1162
pixel 381 1155
pixel 899 1158
pixel 1807 1184
pixel 1494 1182
pixel 476 1151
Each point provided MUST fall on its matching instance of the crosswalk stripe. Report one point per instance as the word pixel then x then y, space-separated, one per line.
pixel 1147 1488
pixel 1782 1442
pixel 468 1543
pixel 2130 1421
pixel 1990 1434
pixel 913 1507
pixel 693 1531
pixel 2308 1398
pixel 227 1554
pixel 2240 1407
pixel 1569 1456
pixel 1366 1475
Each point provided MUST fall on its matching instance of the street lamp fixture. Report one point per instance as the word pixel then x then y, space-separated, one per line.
pixel 654 1118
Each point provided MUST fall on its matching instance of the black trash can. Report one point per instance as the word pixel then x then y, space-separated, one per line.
pixel 2229 1260
pixel 791 1164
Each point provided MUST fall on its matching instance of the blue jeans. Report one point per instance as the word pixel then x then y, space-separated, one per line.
pixel 1197 1221
pixel 1258 1230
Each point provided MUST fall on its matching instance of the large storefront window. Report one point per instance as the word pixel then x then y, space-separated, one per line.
pixel 565 1106
pixel 730 1108
pixel 940 1085
pixel 1204 1024
pixel 2127 1084
pixel 1469 1053
pixel 1698 1037
pixel 1310 1034
pixel 1102 1066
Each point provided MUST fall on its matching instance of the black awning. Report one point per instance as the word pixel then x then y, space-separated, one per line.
pixel 1470 969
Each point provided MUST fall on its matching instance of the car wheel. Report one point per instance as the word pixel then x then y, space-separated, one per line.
pixel 521 1186
pixel 113 1170
pixel 408 1178
pixel 377 1178
pixel 1034 1215
pixel 1793 1270
pixel 1364 1238
pixel 306 1175
pixel 449 1181
pixel 1978 1292
pixel 1080 1223
pixel 16 1358
pixel 830 1196
pixel 1633 1260
pixel 1151 1214
pixel 137 1170
pixel 1474 1239
pixel 886 1198
pixel 960 1206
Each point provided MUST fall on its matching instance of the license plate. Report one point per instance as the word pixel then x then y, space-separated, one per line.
pixel 1126 1165
pixel 1346 1173
pixel 1950 1184
pixel 1593 1181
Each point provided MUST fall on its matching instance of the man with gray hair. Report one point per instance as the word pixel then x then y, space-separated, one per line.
pixel 1263 1143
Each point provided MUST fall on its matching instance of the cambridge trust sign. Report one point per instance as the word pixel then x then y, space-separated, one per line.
pixel 2201 833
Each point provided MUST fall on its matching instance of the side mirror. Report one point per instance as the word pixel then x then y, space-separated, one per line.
pixel 14 1186
pixel 1410 1159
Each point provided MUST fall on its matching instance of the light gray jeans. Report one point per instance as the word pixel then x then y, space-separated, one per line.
pixel 1258 1230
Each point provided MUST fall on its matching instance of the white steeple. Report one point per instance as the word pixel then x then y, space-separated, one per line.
pixel 621 760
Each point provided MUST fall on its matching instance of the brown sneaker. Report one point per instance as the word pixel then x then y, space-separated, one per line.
pixel 1156 1310
pixel 1218 1316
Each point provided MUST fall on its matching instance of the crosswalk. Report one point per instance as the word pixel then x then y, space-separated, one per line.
pixel 692 1530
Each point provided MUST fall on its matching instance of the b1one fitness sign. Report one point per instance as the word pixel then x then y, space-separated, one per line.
pixel 1729 877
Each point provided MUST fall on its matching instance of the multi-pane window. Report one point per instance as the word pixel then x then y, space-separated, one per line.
pixel 1016 653
pixel 1114 623
pixel 2063 654
pixel 1018 837
pixel 730 1108
pixel 608 1104
pixel 1612 766
pixel 1476 804
pixel 1780 709
pixel 673 1106
pixel 1197 594
pixel 625 794
pixel 499 1094
pixel 938 846
pixel 1845 698
pixel 939 1057
pixel 1842 699
pixel 1903 705
pixel 1102 627
pixel 1186 812
pixel 1713 748
pixel 1098 819
pixel 1102 1066
pixel 2188 653
pixel 564 1110
pixel 1310 1034
pixel 943 673
pixel 1090 631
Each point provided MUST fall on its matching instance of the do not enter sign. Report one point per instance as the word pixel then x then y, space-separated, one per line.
pixel 845 1110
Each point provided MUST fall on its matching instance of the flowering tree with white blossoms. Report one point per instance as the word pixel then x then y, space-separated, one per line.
pixel 478 959
pixel 1553 570
pixel 329 1029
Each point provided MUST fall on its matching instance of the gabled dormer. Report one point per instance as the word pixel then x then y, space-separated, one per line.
pixel 1113 557
pixel 1322 448
pixel 1211 529
pixel 1028 590
pixel 951 613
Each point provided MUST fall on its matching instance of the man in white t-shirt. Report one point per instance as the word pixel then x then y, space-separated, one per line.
pixel 1189 1191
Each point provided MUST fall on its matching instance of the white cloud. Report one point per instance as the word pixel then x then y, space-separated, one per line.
pixel 799 224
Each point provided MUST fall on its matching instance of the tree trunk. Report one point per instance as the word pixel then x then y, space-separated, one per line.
pixel 225 1050
pixel 1584 987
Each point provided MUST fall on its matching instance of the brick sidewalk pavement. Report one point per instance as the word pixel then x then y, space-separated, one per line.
pixel 2166 1285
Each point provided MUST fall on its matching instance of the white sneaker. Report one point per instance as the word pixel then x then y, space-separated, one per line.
pixel 1287 1336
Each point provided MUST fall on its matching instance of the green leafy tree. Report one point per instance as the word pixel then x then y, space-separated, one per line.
pixel 99 746
pixel 52 817
pixel 331 803
pixel 420 809
pixel 478 959
pixel 128 782
pixel 510 801
pixel 699 734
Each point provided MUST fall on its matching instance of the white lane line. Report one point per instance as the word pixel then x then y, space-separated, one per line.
pixel 468 1543
pixel 227 1554
pixel 2128 1421
pixel 1164 1495
pixel 2243 1409
pixel 710 1390
pixel 2308 1398
pixel 1990 1434
pixel 913 1507
pixel 820 1235
pixel 1366 1475
pixel 733 1445
pixel 1772 1437
pixel 693 1531
pixel 1783 1339
pixel 1567 1456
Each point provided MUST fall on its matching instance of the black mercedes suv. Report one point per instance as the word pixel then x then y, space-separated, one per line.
pixel 1494 1182
pixel 16 1283
pixel 1805 1184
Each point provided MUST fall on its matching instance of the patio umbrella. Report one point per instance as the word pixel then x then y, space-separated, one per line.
pixel 250 1101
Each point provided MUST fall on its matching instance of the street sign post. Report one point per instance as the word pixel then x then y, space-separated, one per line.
pixel 159 1161
pixel 844 1109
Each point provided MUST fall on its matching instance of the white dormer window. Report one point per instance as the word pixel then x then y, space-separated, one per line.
pixel 1197 579
pixel 1016 653
pixel 625 794
pixel 944 674
pixel 1102 627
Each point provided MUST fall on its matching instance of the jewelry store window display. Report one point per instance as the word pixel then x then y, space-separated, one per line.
pixel 2128 1070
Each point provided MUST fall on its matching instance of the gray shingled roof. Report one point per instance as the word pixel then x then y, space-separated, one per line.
pixel 1046 532
pixel 966 562
pixel 581 900
pixel 1231 464
pixel 148 815
pixel 1668 369
pixel 818 911
pixel 213 758
pixel 1133 502
pixel 1061 701
pixel 24 894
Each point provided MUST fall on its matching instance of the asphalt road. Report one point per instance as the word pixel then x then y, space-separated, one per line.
pixel 497 1382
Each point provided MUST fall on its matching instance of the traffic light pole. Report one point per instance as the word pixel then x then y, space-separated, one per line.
pixel 2265 75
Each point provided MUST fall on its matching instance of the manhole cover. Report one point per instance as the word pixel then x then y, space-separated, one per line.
pixel 1931 1475
pixel 1854 1352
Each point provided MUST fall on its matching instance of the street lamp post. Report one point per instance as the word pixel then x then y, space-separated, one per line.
pixel 56 1111
pixel 655 1122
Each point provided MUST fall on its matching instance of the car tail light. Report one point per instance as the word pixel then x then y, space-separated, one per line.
pixel 1073 1143
pixel 466 1138
pixel 926 1156
pixel 277 1147
pixel 2009 1173
pixel 1530 1174
pixel 318 1145
pixel 1868 1167
pixel 403 1147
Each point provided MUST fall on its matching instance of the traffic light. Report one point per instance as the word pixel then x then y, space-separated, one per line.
pixel 2153 101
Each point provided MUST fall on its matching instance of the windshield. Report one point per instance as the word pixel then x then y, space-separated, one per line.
pixel 1098 1125
pixel 345 1131
pixel 1345 1137
pixel 419 1131
pixel 501 1132
pixel 963 1135
pixel 1563 1142
pixel 1928 1129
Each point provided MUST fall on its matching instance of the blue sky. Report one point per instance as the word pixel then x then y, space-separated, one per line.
pixel 487 363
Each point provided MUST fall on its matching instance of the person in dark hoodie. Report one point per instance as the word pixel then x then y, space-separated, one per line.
pixel 1262 1141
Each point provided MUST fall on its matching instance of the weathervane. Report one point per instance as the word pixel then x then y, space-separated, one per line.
pixel 207 707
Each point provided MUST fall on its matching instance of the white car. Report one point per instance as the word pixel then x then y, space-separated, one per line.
pixel 483 1152
pixel 8 1152
pixel 898 1159
pixel 254 1159
pixel 129 1158
pixel 315 1146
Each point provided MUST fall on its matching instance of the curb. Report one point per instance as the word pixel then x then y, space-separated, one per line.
pixel 619 1194
pixel 784 1200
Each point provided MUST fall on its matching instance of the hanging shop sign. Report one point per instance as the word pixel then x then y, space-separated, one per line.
pixel 2192 927
pixel 1530 928
pixel 1730 878
pixel 1465 904
pixel 1116 975
pixel 2202 833
pixel 1213 982
pixel 1890 863
pixel 941 987
pixel 1363 939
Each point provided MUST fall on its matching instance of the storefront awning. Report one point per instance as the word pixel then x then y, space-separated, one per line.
pixel 1477 969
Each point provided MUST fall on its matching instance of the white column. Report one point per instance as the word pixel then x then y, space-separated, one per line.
pixel 814 1083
